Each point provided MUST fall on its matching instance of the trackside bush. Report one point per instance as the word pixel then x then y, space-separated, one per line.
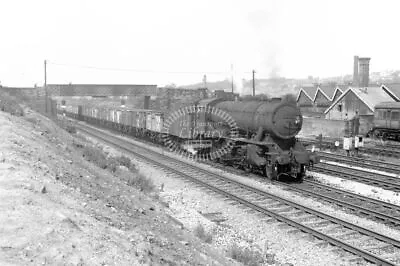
pixel 95 155
pixel 10 104
pixel 246 255
pixel 141 182
pixel 201 233
pixel 131 175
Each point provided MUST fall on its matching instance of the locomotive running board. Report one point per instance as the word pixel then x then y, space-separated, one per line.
pixel 249 141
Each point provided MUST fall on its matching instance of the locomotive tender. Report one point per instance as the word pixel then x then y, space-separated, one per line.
pixel 264 140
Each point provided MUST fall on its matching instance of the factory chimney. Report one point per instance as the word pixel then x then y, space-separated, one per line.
pixel 364 71
pixel 355 72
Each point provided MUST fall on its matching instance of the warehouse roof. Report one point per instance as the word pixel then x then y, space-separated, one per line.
pixel 343 87
pixel 371 96
pixel 310 91
pixel 390 105
pixel 329 90
pixel 393 90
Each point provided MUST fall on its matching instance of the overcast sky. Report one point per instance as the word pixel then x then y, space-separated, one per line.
pixel 276 38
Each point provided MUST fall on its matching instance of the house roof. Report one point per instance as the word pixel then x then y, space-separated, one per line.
pixel 393 90
pixel 371 96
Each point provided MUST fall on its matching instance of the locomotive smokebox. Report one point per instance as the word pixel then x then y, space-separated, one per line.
pixel 280 119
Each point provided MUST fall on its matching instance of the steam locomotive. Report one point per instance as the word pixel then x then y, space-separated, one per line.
pixel 253 135
pixel 266 138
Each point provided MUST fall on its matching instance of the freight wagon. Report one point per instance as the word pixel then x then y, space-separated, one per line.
pixel 210 129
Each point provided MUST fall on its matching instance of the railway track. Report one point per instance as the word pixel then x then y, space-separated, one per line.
pixel 359 175
pixel 377 210
pixel 390 151
pixel 362 243
pixel 362 162
pixel 361 205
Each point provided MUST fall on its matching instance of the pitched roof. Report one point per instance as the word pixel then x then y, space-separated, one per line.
pixel 343 87
pixel 371 96
pixel 309 91
pixel 328 89
pixel 391 105
pixel 393 90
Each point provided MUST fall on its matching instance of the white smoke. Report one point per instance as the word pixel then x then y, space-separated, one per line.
pixel 266 28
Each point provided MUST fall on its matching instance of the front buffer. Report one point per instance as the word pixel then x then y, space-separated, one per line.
pixel 277 164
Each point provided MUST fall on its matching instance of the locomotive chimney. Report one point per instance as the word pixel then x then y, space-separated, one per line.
pixel 355 72
pixel 364 71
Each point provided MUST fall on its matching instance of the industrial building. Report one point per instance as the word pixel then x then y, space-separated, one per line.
pixel 393 90
pixel 306 96
pixel 361 100
pixel 335 101
pixel 361 97
pixel 314 99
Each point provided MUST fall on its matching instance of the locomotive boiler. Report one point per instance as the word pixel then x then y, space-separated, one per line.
pixel 267 137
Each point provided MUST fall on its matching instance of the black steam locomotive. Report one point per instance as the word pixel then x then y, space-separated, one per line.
pixel 252 135
pixel 257 136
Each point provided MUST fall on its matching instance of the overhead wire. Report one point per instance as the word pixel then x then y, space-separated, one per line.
pixel 141 70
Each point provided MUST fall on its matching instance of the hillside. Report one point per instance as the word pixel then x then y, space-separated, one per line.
pixel 58 208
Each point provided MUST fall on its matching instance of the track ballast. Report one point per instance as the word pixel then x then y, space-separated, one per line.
pixel 380 249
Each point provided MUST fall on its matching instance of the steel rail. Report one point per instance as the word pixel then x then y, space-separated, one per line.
pixel 363 253
pixel 349 196
pixel 364 162
pixel 364 176
pixel 392 152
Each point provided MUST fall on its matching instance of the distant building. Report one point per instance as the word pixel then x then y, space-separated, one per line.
pixel 362 100
pixel 306 96
pixel 326 94
pixel 104 90
pixel 314 99
pixel 27 91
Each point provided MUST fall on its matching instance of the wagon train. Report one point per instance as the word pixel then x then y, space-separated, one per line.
pixel 257 136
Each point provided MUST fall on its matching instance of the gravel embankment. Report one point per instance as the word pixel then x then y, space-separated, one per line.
pixel 187 202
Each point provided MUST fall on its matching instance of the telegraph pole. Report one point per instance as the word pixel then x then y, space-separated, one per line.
pixel 45 84
pixel 254 83
pixel 232 76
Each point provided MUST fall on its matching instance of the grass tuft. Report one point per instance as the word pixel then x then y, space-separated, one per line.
pixel 131 174
pixel 141 182
pixel 123 161
pixel 201 233
pixel 95 155
pixel 10 104
pixel 246 255
pixel 71 129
